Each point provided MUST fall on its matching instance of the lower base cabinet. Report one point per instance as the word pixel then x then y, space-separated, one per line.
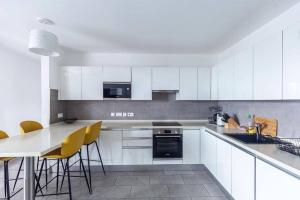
pixel 224 164
pixel 141 156
pixel 243 175
pixel 110 144
pixel 209 151
pixel 191 146
pixel 275 184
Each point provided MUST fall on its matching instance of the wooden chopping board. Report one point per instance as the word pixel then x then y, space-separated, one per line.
pixel 269 126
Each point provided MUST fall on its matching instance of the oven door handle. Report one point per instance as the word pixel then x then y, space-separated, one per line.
pixel 164 136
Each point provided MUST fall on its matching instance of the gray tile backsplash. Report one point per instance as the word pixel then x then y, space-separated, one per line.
pixel 158 109
pixel 56 107
pixel 286 112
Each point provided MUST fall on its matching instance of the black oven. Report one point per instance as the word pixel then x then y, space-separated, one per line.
pixel 117 90
pixel 167 145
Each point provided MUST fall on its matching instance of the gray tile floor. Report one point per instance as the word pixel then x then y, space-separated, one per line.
pixel 140 185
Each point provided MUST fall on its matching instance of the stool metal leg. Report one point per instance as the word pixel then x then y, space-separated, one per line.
pixel 100 157
pixel 69 180
pixel 89 165
pixel 85 176
pixel 7 180
pixel 57 175
pixel 17 177
pixel 5 175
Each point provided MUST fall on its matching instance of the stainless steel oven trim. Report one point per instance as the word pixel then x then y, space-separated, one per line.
pixel 116 98
pixel 171 136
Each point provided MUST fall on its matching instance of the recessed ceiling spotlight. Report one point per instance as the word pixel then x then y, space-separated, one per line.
pixel 45 21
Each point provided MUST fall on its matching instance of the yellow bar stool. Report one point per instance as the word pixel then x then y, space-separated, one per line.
pixel 28 127
pixel 70 147
pixel 6 160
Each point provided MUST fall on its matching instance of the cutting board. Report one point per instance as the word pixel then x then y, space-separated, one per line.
pixel 269 126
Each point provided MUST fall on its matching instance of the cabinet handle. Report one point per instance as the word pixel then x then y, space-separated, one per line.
pixel 137 138
pixel 167 136
pixel 137 147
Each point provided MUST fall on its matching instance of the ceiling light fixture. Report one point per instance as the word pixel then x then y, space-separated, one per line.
pixel 43 42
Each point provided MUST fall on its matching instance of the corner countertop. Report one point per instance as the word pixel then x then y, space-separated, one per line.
pixel 267 152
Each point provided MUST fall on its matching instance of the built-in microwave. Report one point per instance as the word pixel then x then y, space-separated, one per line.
pixel 114 90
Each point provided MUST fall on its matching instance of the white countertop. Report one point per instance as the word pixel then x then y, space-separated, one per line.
pixel 267 152
pixel 38 143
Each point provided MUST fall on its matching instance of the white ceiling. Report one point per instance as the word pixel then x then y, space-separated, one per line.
pixel 140 26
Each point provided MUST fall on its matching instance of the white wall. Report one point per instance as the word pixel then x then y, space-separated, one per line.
pixel 20 89
pixel 290 17
pixel 90 59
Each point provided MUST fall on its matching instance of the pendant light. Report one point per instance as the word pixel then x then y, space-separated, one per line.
pixel 43 42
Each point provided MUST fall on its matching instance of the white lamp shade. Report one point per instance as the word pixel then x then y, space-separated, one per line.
pixel 43 43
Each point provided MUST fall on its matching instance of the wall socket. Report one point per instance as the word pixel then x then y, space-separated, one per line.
pixel 119 114
pixel 122 114
pixel 130 114
pixel 112 114
pixel 60 115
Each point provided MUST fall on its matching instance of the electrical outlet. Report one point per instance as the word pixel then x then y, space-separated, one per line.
pixel 124 114
pixel 119 114
pixel 112 114
pixel 130 114
pixel 60 115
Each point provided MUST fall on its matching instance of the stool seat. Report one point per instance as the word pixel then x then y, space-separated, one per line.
pixel 6 159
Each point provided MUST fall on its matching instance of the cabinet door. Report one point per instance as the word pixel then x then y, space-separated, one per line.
pixel 191 146
pixel 188 84
pixel 224 164
pixel 138 156
pixel 226 80
pixel 243 175
pixel 204 83
pixel 92 86
pixel 272 183
pixel 116 74
pixel 141 83
pixel 209 152
pixel 110 144
pixel 291 62
pixel 70 83
pixel 165 78
pixel 268 68
pixel 243 86
pixel 214 82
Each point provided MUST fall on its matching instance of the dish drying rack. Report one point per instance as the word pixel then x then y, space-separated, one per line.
pixel 291 145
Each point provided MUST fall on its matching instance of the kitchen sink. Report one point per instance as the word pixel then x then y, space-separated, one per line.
pixel 252 139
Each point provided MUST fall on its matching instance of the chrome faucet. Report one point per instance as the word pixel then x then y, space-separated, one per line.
pixel 258 130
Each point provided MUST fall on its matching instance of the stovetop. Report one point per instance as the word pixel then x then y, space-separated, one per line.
pixel 166 124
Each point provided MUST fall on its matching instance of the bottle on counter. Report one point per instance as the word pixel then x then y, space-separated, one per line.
pixel 251 124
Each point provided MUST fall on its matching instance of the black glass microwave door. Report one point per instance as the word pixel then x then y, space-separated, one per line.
pixel 113 92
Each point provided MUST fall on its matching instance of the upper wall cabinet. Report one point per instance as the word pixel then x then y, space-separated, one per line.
pixel 268 68
pixel 243 72
pixel 204 83
pixel 226 80
pixel 165 78
pixel 141 83
pixel 70 83
pixel 188 84
pixel 291 62
pixel 214 82
pixel 116 74
pixel 92 87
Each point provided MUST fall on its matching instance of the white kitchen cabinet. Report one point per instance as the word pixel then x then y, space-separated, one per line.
pixel 92 86
pixel 226 79
pixel 204 83
pixel 116 74
pixel 70 83
pixel 291 62
pixel 191 146
pixel 209 151
pixel 223 174
pixel 243 175
pixel 243 72
pixel 272 183
pixel 268 68
pixel 137 156
pixel 165 78
pixel 214 82
pixel 188 84
pixel 110 144
pixel 141 83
